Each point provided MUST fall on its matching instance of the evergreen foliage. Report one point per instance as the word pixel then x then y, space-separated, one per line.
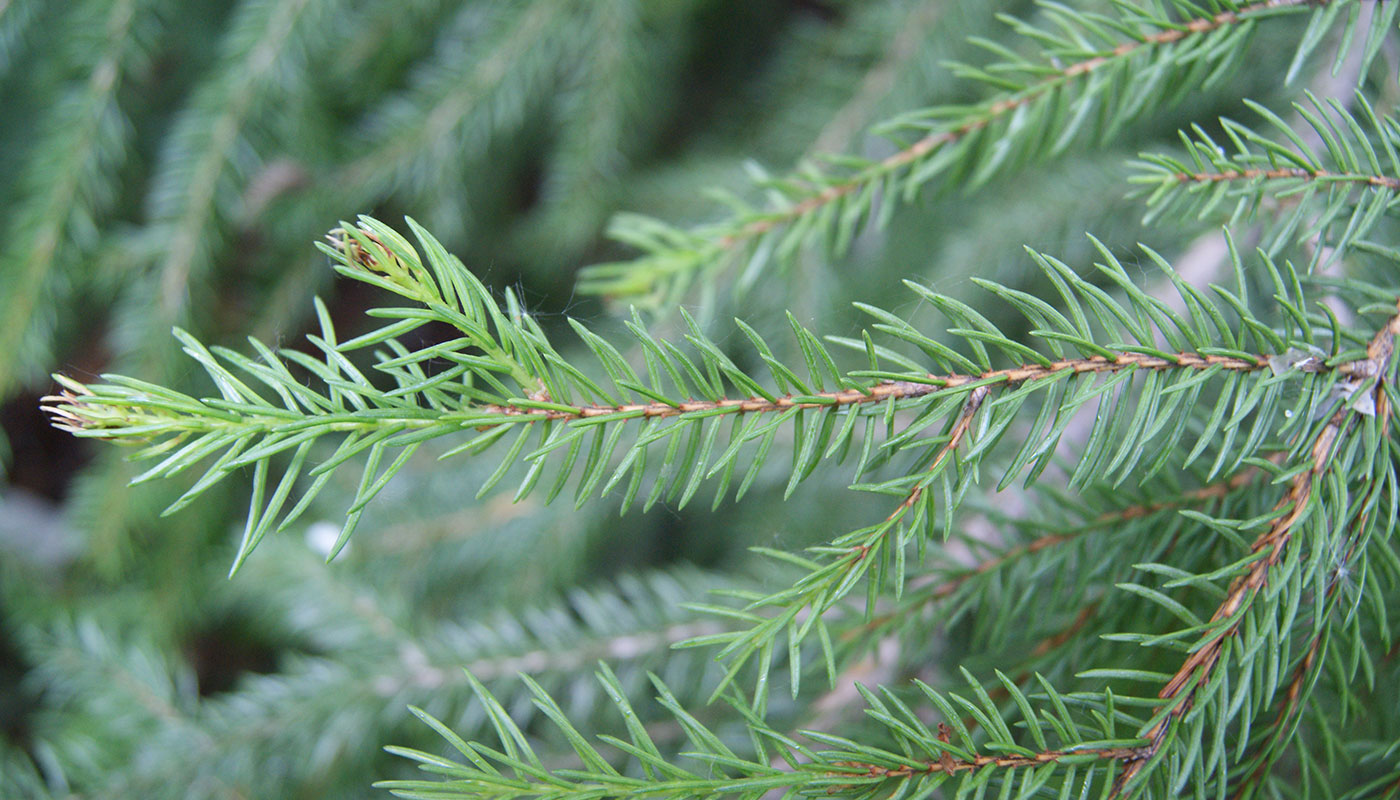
pixel 868 499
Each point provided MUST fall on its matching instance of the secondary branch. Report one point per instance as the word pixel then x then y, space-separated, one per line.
pixel 1195 672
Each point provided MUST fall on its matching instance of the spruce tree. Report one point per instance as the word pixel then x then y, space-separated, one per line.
pixel 1019 426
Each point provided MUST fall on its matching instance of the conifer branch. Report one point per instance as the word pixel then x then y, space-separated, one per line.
pixel 924 592
pixel 781 763
pixel 951 766
pixel 375 661
pixel 961 426
pixel 1289 173
pixel 1179 509
pixel 566 405
pixel 1293 695
pixel 992 111
pixel 82 411
pixel 188 198
pixel 1353 164
pixel 1213 491
pixel 69 183
pixel 850 557
pixel 904 390
pixel 811 198
pixel 1195 672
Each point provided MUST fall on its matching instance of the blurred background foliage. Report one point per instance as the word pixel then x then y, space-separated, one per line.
pixel 169 163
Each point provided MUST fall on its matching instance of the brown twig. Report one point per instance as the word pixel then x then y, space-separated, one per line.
pixel 1382 181
pixel 898 390
pixel 950 765
pixel 1195 672
pixel 955 438
pixel 857 553
pixel 1293 695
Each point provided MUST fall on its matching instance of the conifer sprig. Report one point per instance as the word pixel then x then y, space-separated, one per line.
pixel 1319 652
pixel 1103 541
pixel 1336 194
pixel 1091 74
pixel 70 181
pixel 1116 447
pixel 920 760
pixel 1301 502
pixel 935 588
pixel 506 378
pixel 366 657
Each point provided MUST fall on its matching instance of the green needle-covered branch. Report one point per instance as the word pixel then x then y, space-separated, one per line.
pixel 1354 171
pixel 1093 74
pixel 317 703
pixel 243 428
pixel 507 376
pixel 69 183
pixel 1181 693
pixel 944 584
pixel 1117 521
pixel 921 761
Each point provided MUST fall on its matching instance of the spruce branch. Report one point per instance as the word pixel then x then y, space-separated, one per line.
pixel 1181 692
pixel 928 590
pixel 500 346
pixel 904 390
pixel 1086 61
pixel 261 54
pixel 1285 173
pixel 1304 674
pixel 952 766
pixel 1353 169
pixel 371 663
pixel 70 182
pixel 879 550
pixel 924 759
pixel 1067 536
pixel 974 405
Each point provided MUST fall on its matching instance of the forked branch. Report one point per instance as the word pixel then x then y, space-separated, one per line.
pixel 1195 672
